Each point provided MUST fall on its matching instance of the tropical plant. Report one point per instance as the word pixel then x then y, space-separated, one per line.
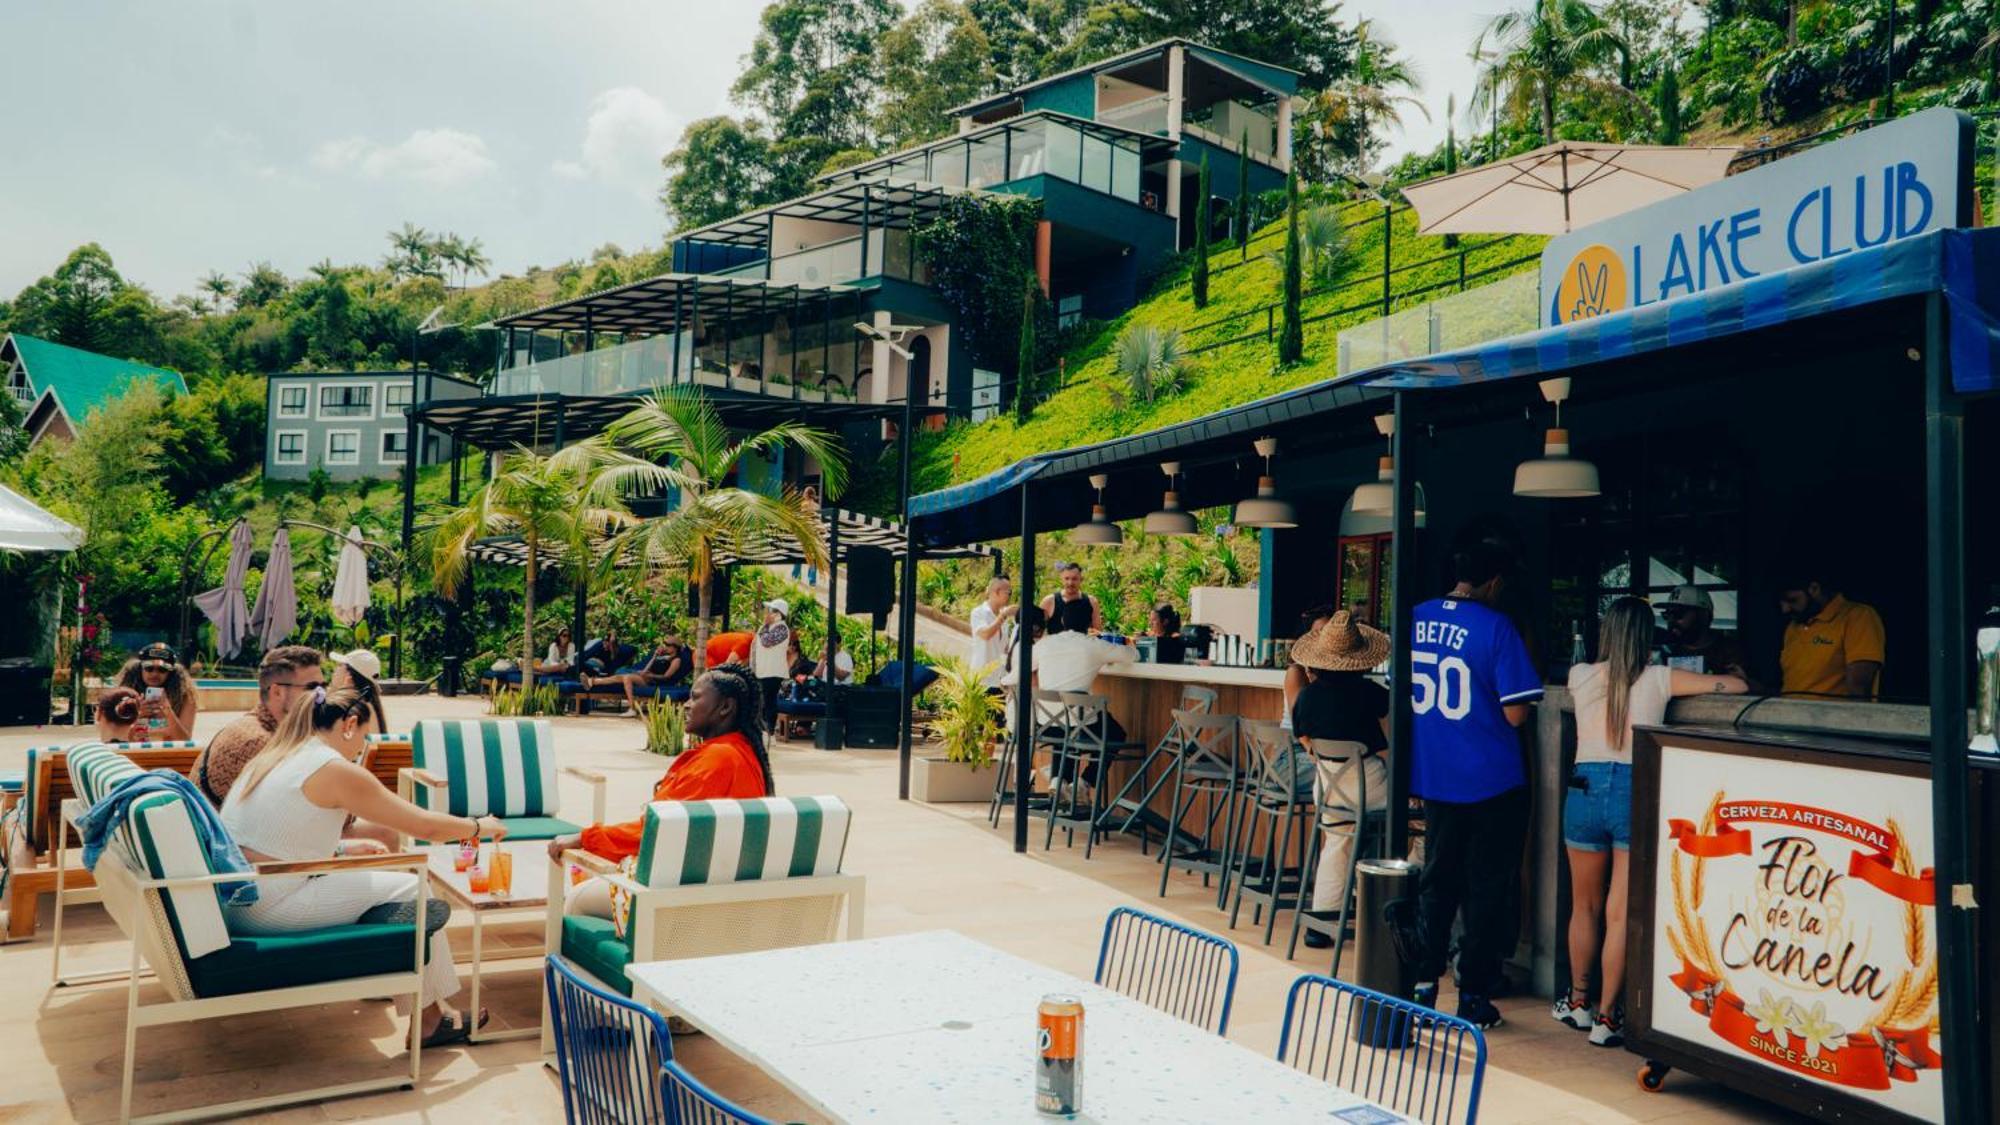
pixel 1153 360
pixel 968 716
pixel 218 286
pixel 551 502
pixel 526 701
pixel 1375 91
pixel 1325 241
pixel 675 443
pixel 666 726
pixel 1539 52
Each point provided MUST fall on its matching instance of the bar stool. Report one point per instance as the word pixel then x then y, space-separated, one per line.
pixel 1086 743
pixel 1195 699
pixel 1272 797
pixel 1047 706
pixel 1344 811
pixel 1204 762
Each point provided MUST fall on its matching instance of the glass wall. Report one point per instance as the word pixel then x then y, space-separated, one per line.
pixel 989 161
pixel 1065 147
pixel 1035 146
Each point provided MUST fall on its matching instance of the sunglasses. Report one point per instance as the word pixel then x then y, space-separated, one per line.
pixel 313 685
pixel 156 667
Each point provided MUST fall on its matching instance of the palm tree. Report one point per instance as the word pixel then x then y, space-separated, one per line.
pixel 217 284
pixel 550 502
pixel 1377 88
pixel 675 440
pixel 472 259
pixel 1539 50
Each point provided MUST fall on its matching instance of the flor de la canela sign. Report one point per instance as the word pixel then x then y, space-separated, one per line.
pixel 1890 182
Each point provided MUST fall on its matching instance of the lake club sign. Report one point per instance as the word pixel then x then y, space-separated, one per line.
pixel 1891 182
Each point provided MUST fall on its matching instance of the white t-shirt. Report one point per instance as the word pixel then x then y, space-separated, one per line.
pixel 987 650
pixel 843 666
pixel 560 655
pixel 1646 706
pixel 768 659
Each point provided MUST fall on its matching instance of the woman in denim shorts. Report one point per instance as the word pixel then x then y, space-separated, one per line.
pixel 1619 691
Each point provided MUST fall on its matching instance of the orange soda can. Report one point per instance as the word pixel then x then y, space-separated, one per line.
pixel 1059 1055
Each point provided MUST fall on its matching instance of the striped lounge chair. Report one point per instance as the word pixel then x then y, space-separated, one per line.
pixel 714 877
pixel 495 767
pixel 157 884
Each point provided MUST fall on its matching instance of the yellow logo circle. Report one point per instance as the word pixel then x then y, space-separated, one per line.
pixel 1594 283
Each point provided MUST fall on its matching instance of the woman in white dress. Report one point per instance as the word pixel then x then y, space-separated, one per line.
pixel 291 803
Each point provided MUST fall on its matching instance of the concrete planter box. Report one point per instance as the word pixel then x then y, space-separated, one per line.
pixel 936 781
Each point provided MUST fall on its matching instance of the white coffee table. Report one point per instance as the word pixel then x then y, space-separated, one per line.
pixel 530 891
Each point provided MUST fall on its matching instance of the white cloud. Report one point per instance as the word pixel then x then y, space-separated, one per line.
pixel 434 157
pixel 629 130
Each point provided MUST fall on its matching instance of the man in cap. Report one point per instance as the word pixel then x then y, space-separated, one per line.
pixel 1692 643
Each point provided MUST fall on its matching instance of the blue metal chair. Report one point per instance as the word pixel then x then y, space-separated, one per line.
pixel 617 1064
pixel 1182 971
pixel 1424 1064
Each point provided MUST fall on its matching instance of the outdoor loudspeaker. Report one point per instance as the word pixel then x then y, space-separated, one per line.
pixel 871 580
pixel 718 581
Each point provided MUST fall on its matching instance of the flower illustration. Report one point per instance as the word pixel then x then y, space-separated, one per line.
pixel 1773 1014
pixel 1819 1032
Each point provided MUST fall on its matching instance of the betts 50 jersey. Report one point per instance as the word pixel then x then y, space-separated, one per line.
pixel 1467 663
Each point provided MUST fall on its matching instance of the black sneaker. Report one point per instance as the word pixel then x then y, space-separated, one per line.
pixel 1478 1011
pixel 1425 995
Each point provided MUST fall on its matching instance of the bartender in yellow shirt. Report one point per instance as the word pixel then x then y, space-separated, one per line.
pixel 1833 647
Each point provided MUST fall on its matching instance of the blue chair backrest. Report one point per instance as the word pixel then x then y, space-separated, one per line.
pixel 1418 1062
pixel 1178 969
pixel 891 675
pixel 695 1104
pixel 611 1053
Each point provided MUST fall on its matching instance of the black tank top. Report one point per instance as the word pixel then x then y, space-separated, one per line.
pixel 1073 616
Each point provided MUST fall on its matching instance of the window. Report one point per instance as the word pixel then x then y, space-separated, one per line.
pixel 396 394
pixel 1365 578
pixel 291 447
pixel 343 447
pixel 347 402
pixel 291 402
pixel 395 445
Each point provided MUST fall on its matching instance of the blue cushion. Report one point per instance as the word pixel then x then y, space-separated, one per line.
pixel 892 676
pixel 801 708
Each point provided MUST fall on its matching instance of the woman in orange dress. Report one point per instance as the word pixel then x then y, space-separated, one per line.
pixel 729 762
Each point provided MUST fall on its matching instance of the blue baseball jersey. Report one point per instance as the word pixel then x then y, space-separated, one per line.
pixel 1467 663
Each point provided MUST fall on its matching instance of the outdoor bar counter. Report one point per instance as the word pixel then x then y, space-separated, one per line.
pixel 1143 696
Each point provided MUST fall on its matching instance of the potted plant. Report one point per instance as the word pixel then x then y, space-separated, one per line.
pixel 968 720
pixel 666 726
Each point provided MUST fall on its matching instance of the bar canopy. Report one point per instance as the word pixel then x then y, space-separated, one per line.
pixel 856 530
pixel 671 301
pixel 1963 265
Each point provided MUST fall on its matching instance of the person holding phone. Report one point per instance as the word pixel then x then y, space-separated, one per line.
pixel 154 700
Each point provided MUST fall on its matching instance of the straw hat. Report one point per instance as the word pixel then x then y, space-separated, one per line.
pixel 1342 645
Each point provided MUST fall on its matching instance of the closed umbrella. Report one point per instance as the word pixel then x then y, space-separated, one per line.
pixel 350 581
pixel 1557 188
pixel 224 606
pixel 277 611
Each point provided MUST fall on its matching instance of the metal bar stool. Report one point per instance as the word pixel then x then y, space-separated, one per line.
pixel 1347 801
pixel 1203 763
pixel 1272 798
pixel 1047 704
pixel 1138 810
pixel 1087 749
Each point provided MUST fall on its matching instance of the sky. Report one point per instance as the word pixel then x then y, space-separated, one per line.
pixel 206 135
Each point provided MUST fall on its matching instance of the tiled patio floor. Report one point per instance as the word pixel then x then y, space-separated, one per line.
pixel 927 868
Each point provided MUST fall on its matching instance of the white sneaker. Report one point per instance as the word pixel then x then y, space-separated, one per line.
pixel 1608 1029
pixel 1570 1015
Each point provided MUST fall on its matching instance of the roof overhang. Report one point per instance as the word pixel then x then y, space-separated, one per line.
pixel 1271 73
pixel 884 203
pixel 670 301
pixel 503 422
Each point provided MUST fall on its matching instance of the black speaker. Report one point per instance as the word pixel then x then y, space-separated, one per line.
pixel 871 580
pixel 871 714
pixel 718 581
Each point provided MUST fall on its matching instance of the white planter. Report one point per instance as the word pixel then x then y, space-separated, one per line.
pixel 936 781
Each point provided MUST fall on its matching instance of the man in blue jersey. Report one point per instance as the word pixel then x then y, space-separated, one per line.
pixel 1472 684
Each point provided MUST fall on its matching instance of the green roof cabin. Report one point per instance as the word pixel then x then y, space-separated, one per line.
pixel 58 386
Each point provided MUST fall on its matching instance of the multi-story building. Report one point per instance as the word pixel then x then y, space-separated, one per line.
pixel 57 386
pixel 352 424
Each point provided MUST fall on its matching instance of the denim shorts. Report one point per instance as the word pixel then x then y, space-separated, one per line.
pixel 1600 817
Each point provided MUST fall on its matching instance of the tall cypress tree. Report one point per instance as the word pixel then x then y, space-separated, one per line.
pixel 1201 224
pixel 1024 359
pixel 1450 151
pixel 1291 334
pixel 1243 198
pixel 1670 105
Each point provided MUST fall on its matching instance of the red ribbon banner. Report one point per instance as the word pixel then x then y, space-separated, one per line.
pixel 1876 866
pixel 1861 1062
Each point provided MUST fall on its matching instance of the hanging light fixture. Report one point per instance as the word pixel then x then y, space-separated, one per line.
pixel 1098 531
pixel 1170 519
pixel 1266 509
pixel 1556 475
pixel 1378 497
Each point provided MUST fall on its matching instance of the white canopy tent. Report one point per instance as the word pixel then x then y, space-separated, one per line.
pixel 24 526
pixel 1557 188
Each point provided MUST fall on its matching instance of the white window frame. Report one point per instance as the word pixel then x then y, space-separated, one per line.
pixel 305 405
pixel 278 447
pixel 368 387
pixel 388 389
pixel 330 459
pixel 393 457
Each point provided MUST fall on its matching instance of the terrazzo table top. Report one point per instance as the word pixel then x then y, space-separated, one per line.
pixel 937 1027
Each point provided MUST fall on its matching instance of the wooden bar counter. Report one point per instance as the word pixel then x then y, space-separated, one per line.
pixel 1144 695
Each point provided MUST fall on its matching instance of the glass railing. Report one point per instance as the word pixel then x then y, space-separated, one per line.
pixel 747 269
pixel 834 263
pixel 1147 115
pixel 1226 122
pixel 1491 312
pixel 637 366
pixel 642 365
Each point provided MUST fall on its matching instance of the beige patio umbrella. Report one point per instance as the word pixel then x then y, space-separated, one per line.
pixel 1560 187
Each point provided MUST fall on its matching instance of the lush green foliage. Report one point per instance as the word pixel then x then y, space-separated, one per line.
pixel 1152 360
pixel 968 716
pixel 980 250
pixel 666 726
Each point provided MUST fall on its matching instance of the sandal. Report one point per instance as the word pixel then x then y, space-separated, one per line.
pixel 448 1032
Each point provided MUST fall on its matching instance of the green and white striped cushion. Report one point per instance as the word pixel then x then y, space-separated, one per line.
pixel 36 829
pixel 703 842
pixel 374 738
pixel 502 767
pixel 158 839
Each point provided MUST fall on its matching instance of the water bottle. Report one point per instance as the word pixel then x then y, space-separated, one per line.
pixel 1576 653
pixel 1986 703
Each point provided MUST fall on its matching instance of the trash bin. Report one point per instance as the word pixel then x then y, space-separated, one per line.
pixel 1377 965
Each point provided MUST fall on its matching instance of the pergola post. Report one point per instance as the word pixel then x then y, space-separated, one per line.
pixel 867 217
pixel 1024 679
pixel 831 731
pixel 906 632
pixel 1403 571
pixel 680 329
pixel 410 435
pixel 1959 1001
